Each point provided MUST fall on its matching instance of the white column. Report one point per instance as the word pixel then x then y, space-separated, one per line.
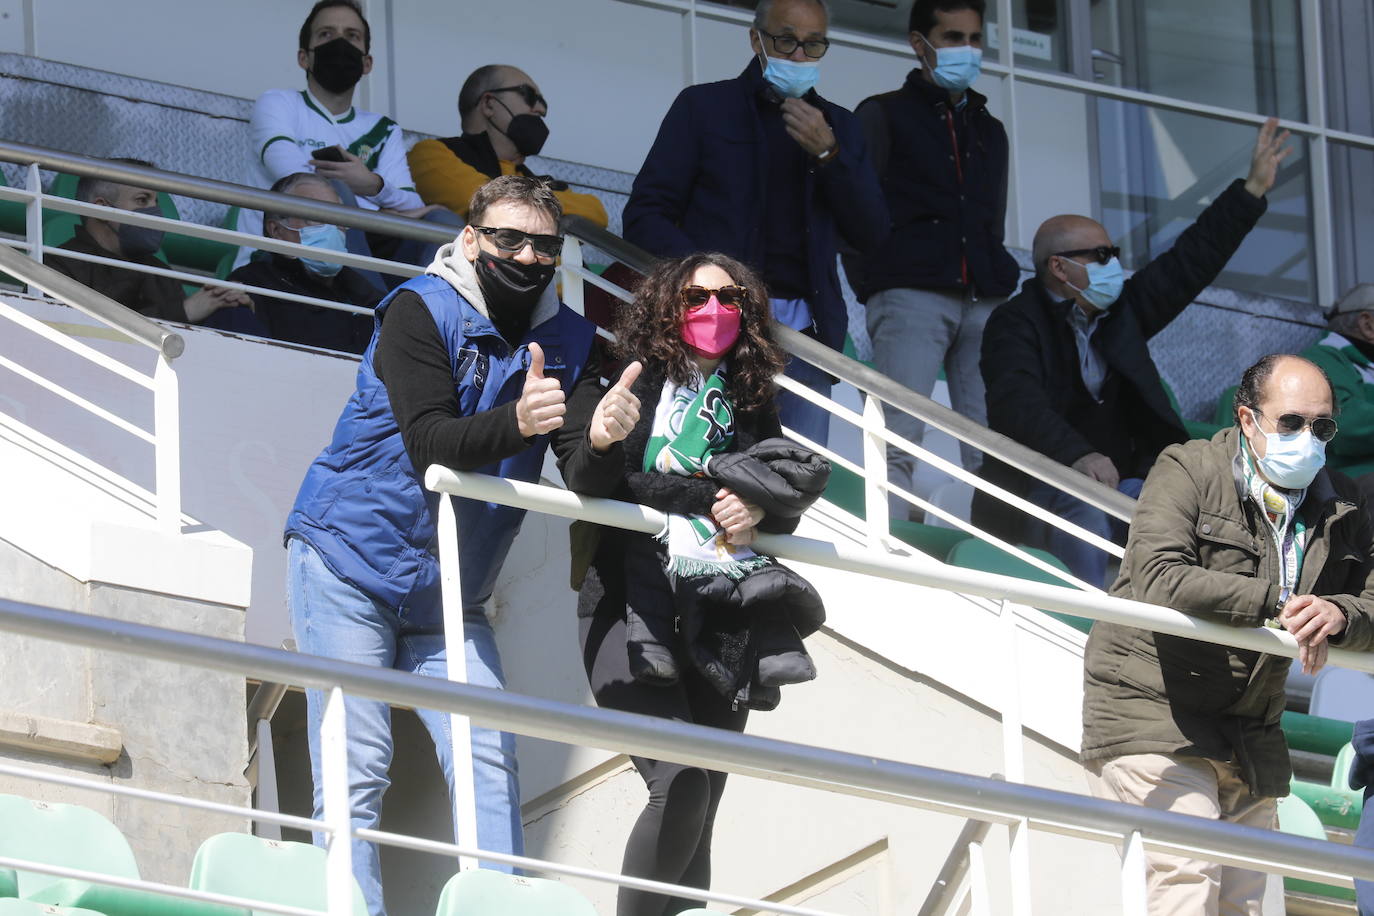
pixel 334 789
pixel 875 471
pixel 464 793
pixel 167 444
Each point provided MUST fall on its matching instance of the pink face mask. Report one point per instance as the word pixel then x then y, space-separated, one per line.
pixel 711 329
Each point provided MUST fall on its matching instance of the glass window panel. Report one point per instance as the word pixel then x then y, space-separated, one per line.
pixel 1159 169
pixel 1348 26
pixel 1352 212
pixel 1041 34
pixel 1243 54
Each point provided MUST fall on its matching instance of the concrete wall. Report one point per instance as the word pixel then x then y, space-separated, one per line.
pixel 179 730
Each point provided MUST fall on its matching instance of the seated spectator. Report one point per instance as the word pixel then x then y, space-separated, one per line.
pixel 318 130
pixel 1346 355
pixel 152 295
pixel 1067 365
pixel 297 322
pixel 502 116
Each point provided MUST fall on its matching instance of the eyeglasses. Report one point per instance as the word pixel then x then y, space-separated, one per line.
pixel 786 45
pixel 1102 254
pixel 1324 428
pixel 512 241
pixel 732 297
pixel 527 92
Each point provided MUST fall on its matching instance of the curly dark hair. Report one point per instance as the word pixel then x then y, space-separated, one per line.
pixel 650 329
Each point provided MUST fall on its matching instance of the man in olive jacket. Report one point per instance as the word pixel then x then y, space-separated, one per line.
pixel 1245 529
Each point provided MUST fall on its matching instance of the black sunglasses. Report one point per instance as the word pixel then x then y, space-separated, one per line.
pixel 1102 254
pixel 1324 428
pixel 733 297
pixel 786 45
pixel 512 241
pixel 527 92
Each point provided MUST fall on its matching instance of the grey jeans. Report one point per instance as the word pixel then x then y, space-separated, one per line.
pixel 914 331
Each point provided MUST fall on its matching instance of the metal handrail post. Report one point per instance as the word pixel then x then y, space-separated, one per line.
pixel 1134 892
pixel 456 664
pixel 944 891
pixel 33 216
pixel 334 791
pixel 875 471
pixel 573 293
pixel 1014 759
pixel 167 444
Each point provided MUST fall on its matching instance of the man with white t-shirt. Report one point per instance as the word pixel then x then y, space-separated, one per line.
pixel 319 130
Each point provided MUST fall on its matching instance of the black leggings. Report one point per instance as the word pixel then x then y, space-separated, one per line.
pixel 671 841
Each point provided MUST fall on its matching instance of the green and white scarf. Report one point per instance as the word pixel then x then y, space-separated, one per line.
pixel 1280 509
pixel 1342 345
pixel 692 423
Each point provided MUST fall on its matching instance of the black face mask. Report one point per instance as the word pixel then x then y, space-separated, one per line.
pixel 338 65
pixel 140 241
pixel 527 131
pixel 511 290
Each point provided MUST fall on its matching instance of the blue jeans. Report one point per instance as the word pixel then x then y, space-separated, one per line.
pixel 331 618
pixel 1083 559
pixel 799 414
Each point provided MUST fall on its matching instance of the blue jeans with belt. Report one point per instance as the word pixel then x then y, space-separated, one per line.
pixel 331 618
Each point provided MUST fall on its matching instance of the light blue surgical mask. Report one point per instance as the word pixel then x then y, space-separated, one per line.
pixel 1104 283
pixel 955 68
pixel 328 238
pixel 1291 461
pixel 792 78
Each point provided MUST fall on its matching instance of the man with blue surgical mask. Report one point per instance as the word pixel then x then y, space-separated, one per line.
pixel 1067 365
pixel 318 277
pixel 1246 529
pixel 764 169
pixel 929 289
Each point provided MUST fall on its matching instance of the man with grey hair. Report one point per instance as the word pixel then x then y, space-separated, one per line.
pixel 763 169
pixel 318 278
pixel 1067 365
pixel 1346 355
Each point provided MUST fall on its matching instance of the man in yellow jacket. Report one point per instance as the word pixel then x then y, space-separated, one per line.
pixel 502 116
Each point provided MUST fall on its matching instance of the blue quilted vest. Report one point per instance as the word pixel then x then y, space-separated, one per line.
pixel 364 507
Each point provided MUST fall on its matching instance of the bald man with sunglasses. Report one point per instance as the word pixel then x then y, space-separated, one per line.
pixel 1067 366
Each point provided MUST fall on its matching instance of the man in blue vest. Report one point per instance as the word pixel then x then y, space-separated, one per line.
pixel 764 169
pixel 929 289
pixel 469 367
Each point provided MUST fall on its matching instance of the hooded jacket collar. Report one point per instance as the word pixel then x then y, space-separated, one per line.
pixel 457 271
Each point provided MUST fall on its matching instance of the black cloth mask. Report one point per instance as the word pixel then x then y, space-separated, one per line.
pixel 527 131
pixel 140 241
pixel 511 290
pixel 338 65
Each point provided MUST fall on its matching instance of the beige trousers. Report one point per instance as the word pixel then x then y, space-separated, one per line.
pixel 1179 886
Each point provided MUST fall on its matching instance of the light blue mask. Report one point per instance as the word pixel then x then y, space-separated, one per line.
pixel 328 238
pixel 1104 284
pixel 1292 461
pixel 956 68
pixel 792 78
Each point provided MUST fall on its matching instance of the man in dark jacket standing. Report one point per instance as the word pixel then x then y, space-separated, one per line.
pixel 1067 363
pixel 763 169
pixel 942 160
pixel 1245 529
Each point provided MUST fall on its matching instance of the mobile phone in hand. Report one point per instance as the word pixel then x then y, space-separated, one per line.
pixel 330 154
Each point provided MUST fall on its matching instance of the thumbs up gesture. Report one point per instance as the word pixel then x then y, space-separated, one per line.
pixel 540 408
pixel 618 411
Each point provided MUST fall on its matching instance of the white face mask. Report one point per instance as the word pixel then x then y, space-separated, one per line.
pixel 1291 461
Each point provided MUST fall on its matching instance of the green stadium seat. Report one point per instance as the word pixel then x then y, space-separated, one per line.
pixel 976 554
pixel 846 490
pixel 13 213
pixel 1297 818
pixel 1336 804
pixel 481 892
pixel 69 836
pixel 9 883
pixel 1317 734
pixel 1225 415
pixel 29 908
pixel 1197 429
pixel 272 871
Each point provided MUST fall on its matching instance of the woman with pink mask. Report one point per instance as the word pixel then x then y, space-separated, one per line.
pixel 691 625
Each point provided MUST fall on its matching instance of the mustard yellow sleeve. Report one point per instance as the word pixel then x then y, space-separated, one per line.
pixel 583 205
pixel 442 178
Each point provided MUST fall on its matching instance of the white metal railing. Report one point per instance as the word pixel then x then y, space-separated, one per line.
pixel 165 437
pixel 875 433
pixel 1019 807
pixel 1008 592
